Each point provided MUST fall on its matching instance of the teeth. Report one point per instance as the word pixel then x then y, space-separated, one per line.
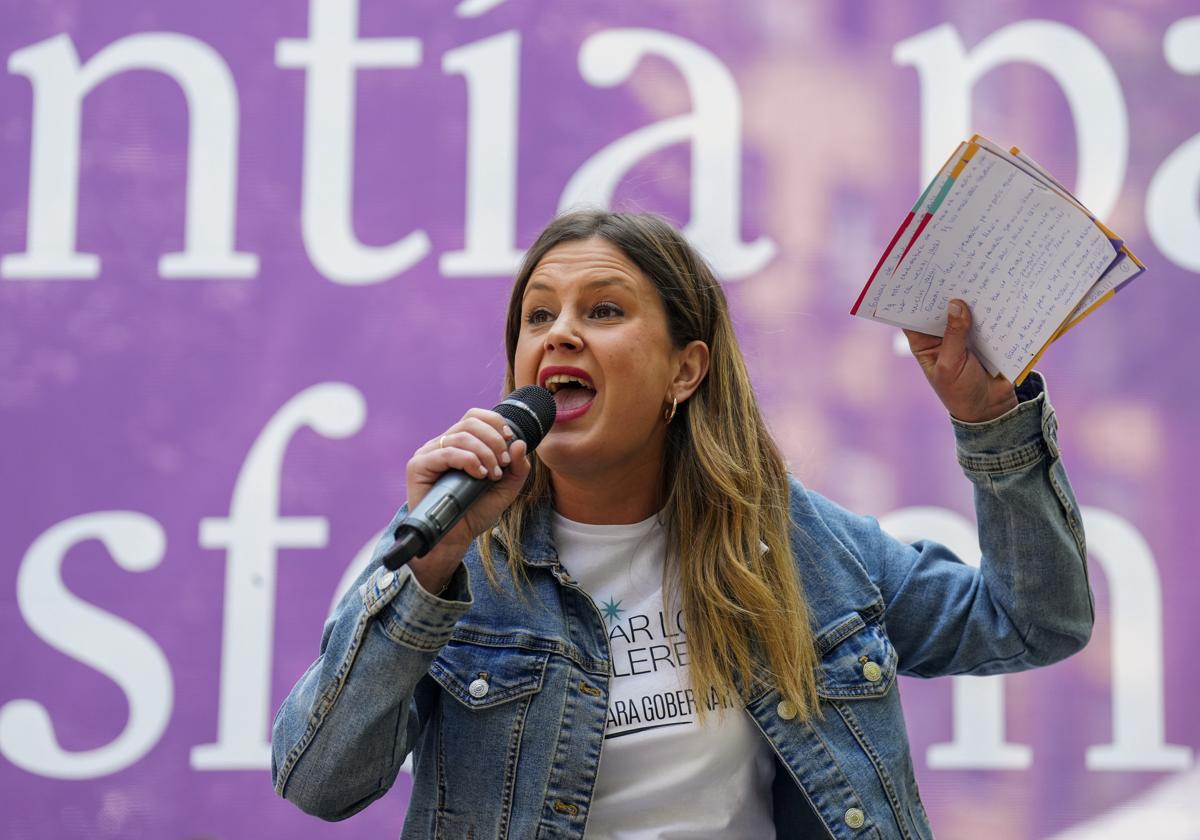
pixel 553 383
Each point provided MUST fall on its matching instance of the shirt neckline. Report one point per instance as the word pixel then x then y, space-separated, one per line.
pixel 630 529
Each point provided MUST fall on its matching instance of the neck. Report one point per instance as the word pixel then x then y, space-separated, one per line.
pixel 632 496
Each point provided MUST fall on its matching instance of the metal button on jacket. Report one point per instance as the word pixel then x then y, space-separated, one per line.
pixel 872 671
pixel 855 817
pixel 385 579
pixel 786 709
pixel 478 688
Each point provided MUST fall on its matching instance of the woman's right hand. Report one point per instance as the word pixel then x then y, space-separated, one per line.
pixel 478 445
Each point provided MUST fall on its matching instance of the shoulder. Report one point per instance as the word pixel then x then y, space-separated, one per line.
pixel 824 520
pixel 837 554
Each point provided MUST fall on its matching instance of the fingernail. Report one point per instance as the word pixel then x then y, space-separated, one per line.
pixel 508 433
pixel 497 472
pixel 504 459
pixel 955 309
pixel 482 471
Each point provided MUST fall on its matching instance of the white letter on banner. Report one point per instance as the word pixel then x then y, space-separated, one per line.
pixel 475 8
pixel 252 534
pixel 714 128
pixel 59 86
pixel 1093 92
pixel 1172 216
pixel 491 70
pixel 111 645
pixel 1135 597
pixel 332 55
pixel 978 736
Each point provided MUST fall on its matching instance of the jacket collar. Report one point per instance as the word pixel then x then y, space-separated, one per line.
pixel 537 541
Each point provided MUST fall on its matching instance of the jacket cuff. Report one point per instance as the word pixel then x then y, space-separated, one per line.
pixel 1014 440
pixel 409 614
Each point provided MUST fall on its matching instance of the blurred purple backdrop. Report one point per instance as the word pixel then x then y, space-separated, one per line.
pixel 195 451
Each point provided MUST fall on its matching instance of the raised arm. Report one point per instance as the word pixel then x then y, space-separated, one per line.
pixel 345 729
pixel 1029 603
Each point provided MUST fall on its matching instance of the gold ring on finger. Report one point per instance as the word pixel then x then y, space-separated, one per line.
pixel 442 442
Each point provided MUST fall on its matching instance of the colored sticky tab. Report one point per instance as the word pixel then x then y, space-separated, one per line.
pixel 966 158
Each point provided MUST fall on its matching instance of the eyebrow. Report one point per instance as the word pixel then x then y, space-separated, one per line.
pixel 540 286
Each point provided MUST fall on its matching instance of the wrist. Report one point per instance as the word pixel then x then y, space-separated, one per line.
pixel 435 570
pixel 990 412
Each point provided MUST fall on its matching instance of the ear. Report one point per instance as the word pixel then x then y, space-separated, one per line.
pixel 693 367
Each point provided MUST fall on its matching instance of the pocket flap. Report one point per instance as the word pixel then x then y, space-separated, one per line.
pixel 857 660
pixel 479 676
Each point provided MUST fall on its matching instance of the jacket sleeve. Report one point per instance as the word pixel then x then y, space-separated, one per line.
pixel 1029 602
pixel 344 731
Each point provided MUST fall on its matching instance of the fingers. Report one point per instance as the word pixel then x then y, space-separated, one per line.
pixel 918 341
pixel 519 471
pixel 486 441
pixel 424 469
pixel 923 347
pixel 477 444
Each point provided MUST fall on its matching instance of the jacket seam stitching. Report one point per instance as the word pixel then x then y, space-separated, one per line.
pixel 848 718
pixel 796 779
pixel 439 813
pixel 323 706
pixel 1007 462
pixel 839 634
pixel 510 773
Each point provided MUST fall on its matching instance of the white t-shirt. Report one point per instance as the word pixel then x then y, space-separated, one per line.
pixel 662 775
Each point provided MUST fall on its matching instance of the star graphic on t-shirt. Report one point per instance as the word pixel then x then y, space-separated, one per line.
pixel 612 609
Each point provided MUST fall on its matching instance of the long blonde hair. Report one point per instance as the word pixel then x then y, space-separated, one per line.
pixel 725 485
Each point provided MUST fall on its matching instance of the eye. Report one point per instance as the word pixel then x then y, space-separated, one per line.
pixel 607 310
pixel 540 315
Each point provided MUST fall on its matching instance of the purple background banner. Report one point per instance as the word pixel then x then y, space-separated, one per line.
pixel 253 255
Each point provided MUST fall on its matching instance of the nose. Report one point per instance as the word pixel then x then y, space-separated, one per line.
pixel 563 334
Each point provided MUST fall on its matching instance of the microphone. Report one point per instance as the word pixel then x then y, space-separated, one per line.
pixel 530 414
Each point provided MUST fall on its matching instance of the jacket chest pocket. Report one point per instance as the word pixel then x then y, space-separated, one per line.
pixel 857 660
pixel 486 708
pixel 481 677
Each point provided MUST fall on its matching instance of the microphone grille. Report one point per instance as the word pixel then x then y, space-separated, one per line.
pixel 530 410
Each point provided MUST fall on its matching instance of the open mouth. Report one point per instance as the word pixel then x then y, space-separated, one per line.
pixel 573 393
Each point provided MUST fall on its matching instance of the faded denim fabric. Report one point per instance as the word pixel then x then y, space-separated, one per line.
pixel 503 700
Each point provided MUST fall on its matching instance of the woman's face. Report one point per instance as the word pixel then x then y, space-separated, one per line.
pixel 594 332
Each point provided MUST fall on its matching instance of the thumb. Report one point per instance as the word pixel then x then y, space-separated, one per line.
pixel 958 324
pixel 505 490
pixel 518 470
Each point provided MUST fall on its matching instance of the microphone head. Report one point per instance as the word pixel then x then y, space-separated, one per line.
pixel 530 412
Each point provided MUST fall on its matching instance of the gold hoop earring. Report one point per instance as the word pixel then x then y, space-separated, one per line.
pixel 669 414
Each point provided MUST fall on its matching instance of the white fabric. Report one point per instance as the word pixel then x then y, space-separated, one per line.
pixel 662 775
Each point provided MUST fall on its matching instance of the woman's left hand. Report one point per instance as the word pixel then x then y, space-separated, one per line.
pixel 957 377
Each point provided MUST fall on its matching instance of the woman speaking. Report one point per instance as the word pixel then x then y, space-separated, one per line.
pixel 649 628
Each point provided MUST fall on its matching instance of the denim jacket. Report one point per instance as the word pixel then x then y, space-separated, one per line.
pixel 503 701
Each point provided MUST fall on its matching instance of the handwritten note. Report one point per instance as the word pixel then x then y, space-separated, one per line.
pixel 1015 250
pixel 1121 272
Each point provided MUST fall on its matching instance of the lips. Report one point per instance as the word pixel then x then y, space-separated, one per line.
pixel 573 390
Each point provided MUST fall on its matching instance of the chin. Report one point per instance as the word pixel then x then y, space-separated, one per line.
pixel 552 452
pixel 558 451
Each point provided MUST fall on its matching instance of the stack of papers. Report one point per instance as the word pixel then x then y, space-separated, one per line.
pixel 996 230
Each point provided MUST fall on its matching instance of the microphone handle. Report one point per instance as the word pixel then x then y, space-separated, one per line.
pixel 530 412
pixel 434 516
